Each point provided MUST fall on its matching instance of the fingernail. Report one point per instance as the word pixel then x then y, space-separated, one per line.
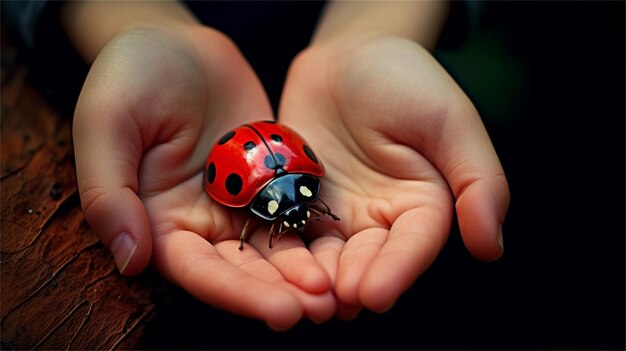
pixel 500 239
pixel 123 248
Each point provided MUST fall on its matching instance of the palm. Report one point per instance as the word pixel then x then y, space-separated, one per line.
pixel 164 121
pixel 368 119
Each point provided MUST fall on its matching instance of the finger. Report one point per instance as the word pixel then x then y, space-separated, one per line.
pixel 318 307
pixel 107 155
pixel 246 287
pixel 326 250
pixel 481 207
pixel 356 256
pixel 415 239
pixel 292 259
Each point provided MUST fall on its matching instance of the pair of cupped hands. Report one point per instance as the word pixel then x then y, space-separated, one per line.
pixel 402 145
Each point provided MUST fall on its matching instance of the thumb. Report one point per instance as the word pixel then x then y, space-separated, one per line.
pixel 472 168
pixel 108 152
pixel 481 206
pixel 118 218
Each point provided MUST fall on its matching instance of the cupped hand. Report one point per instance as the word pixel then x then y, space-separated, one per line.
pixel 402 146
pixel 154 102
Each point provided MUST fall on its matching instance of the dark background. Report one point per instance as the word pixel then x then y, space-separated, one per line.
pixel 548 79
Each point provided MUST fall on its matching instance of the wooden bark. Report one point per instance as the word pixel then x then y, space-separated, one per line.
pixel 59 286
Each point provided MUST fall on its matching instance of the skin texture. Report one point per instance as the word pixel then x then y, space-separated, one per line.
pixel 141 148
pixel 398 153
pixel 401 143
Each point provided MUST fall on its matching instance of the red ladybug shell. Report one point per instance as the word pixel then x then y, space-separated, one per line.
pixel 245 159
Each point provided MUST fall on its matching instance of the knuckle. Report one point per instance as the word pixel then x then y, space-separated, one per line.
pixel 93 201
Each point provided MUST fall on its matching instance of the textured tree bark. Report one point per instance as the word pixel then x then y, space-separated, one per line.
pixel 59 286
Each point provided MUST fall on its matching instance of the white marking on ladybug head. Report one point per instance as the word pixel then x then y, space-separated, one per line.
pixel 303 222
pixel 308 214
pixel 286 224
pixel 305 191
pixel 272 206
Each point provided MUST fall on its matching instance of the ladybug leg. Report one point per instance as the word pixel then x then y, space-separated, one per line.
pixel 281 230
pixel 244 233
pixel 315 209
pixel 271 233
pixel 323 210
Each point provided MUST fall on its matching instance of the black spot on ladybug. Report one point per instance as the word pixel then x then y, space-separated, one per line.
pixel 226 137
pixel 281 159
pixel 277 138
pixel 271 163
pixel 234 183
pixel 309 153
pixel 210 173
pixel 249 145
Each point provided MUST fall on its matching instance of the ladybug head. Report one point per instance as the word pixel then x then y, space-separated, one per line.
pixel 285 199
pixel 295 218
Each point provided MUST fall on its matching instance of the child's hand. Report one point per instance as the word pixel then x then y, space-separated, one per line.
pixel 401 143
pixel 152 106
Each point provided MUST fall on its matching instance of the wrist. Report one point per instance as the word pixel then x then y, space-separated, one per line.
pixel 90 25
pixel 419 21
pixel 345 46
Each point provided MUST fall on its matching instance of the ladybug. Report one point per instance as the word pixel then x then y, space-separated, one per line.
pixel 269 168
